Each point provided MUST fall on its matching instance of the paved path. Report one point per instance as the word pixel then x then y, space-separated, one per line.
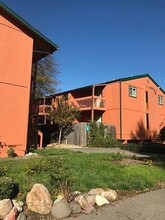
pixel 146 206
pixel 108 150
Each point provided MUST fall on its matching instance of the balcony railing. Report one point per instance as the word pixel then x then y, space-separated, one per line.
pixel 43 109
pixel 89 102
pixel 85 103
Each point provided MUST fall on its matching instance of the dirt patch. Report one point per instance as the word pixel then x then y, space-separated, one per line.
pixel 63 146
pixel 130 161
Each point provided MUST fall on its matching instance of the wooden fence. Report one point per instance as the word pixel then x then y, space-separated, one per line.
pixel 80 133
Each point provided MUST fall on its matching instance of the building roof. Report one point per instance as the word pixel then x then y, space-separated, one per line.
pixel 112 81
pixel 42 45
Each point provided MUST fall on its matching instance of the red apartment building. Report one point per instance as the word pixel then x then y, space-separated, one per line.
pixel 21 46
pixel 134 105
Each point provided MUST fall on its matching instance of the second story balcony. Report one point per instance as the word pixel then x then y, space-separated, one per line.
pixel 44 109
pixel 90 102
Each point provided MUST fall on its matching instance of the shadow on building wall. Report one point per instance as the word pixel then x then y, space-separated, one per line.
pixel 142 134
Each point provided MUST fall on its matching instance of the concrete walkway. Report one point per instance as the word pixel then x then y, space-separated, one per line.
pixel 108 150
pixel 146 206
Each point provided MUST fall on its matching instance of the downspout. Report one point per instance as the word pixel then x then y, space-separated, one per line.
pixel 92 110
pixel 32 137
pixel 120 94
pixel 44 112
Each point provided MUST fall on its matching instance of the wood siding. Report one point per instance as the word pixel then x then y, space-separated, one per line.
pixel 15 75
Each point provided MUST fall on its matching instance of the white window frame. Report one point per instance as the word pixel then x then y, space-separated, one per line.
pixel 160 100
pixel 132 91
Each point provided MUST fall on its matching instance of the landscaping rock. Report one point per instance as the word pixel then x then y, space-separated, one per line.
pixel 90 199
pixel 18 205
pixel 96 191
pixel 59 198
pixel 100 200
pixel 75 207
pixel 86 202
pixel 21 216
pixel 61 209
pixel 110 195
pixel 39 199
pixel 5 207
pixel 89 210
pixel 12 214
pixel 82 201
pixel 30 154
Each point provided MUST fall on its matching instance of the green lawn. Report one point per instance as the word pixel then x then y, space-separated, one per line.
pixel 57 168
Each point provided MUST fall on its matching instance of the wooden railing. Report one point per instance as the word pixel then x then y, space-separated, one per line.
pixel 87 102
pixel 43 109
pixel 95 102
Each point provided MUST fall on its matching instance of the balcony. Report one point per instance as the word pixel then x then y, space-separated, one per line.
pixel 87 103
pixel 43 109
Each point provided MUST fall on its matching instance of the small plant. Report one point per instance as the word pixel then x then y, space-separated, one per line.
pixel 11 152
pixel 8 189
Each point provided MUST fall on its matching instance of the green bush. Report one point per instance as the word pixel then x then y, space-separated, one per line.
pixel 152 148
pixel 162 134
pixel 8 189
pixel 11 152
pixel 132 147
pixel 54 173
pixel 99 136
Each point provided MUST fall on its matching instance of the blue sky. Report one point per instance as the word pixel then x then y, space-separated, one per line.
pixel 100 40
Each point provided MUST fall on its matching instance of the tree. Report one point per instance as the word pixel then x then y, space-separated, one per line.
pixel 46 79
pixel 64 114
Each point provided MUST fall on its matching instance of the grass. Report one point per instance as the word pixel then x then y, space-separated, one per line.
pixel 85 171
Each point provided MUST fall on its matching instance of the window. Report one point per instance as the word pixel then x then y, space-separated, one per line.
pixel 132 91
pixel 147 121
pixel 146 96
pixel 160 100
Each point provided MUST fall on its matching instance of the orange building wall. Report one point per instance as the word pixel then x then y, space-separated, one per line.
pixel 128 114
pixel 15 75
pixel 112 114
pixel 133 109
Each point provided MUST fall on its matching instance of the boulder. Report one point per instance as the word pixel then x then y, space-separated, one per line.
pixel 90 199
pixel 5 207
pixel 21 216
pixel 59 198
pixel 86 202
pixel 39 199
pixel 75 207
pixel 12 214
pixel 100 200
pixel 82 201
pixel 89 210
pixel 96 191
pixel 110 195
pixel 18 205
pixel 61 209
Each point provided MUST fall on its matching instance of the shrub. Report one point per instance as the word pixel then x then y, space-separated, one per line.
pixel 55 171
pixel 31 148
pixel 11 152
pixel 132 147
pixel 8 189
pixel 162 134
pixel 151 148
pixel 99 136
